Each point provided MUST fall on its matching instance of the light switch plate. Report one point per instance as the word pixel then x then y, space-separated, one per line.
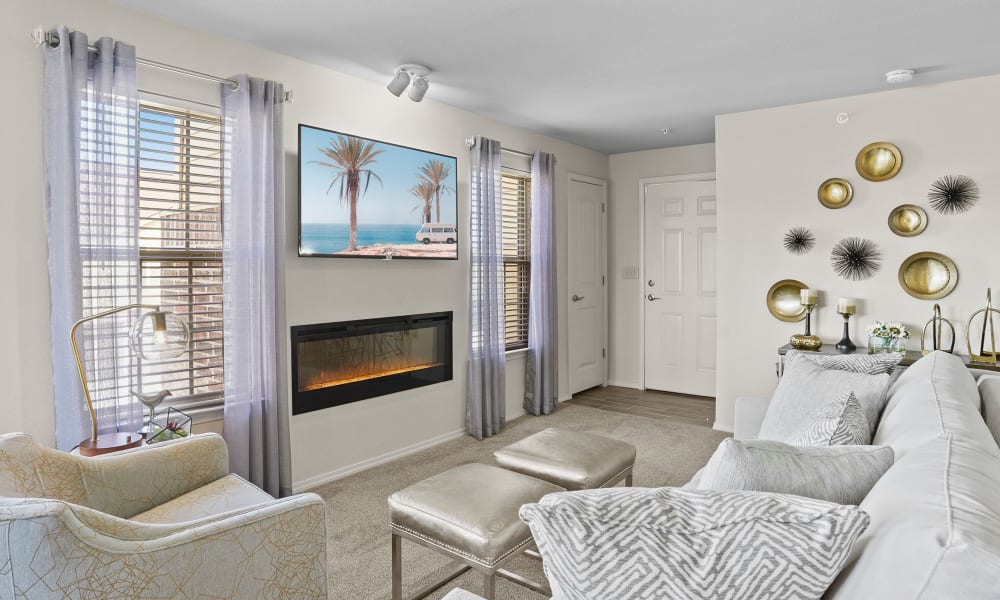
pixel 630 272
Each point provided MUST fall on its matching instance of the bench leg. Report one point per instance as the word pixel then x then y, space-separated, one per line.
pixel 489 586
pixel 397 567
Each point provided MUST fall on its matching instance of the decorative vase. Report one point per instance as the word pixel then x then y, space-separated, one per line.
pixel 878 345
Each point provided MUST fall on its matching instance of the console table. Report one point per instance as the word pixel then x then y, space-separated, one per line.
pixel 909 358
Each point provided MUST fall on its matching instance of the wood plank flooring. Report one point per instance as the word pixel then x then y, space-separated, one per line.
pixel 694 410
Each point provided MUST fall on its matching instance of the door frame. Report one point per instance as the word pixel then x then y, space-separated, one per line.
pixel 603 257
pixel 643 182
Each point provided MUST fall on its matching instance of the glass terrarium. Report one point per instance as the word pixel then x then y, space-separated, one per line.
pixel 169 425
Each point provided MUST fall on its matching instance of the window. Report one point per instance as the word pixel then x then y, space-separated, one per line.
pixel 180 245
pixel 516 199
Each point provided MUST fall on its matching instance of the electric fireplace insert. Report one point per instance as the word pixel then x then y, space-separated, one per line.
pixel 339 363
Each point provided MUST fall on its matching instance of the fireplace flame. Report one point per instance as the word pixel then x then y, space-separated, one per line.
pixel 326 379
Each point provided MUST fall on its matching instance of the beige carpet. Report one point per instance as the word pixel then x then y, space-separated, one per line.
pixel 357 515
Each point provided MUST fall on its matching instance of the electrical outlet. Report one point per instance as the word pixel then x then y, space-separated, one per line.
pixel 630 272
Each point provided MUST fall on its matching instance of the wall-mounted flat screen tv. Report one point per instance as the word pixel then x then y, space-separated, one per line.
pixel 362 198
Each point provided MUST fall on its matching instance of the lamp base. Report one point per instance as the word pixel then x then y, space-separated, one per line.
pixel 846 346
pixel 110 442
pixel 805 342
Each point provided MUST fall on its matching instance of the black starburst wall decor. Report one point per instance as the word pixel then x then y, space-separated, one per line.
pixel 855 258
pixel 799 240
pixel 953 194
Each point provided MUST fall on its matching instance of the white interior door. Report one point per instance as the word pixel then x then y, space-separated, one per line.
pixel 587 301
pixel 678 287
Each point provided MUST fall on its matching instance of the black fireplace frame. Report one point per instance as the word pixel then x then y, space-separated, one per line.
pixel 319 399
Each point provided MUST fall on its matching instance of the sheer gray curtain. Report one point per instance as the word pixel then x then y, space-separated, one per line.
pixel 486 412
pixel 256 415
pixel 90 137
pixel 541 371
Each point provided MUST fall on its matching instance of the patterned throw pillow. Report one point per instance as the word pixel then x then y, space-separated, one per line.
pixel 806 387
pixel 635 543
pixel 841 474
pixel 840 422
pixel 869 364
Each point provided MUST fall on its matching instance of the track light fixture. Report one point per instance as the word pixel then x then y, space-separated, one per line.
pixel 413 76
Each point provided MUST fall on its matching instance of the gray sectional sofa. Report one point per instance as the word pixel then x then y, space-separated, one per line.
pixel 935 514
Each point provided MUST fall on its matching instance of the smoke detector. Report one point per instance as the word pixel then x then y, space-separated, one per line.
pixel 899 76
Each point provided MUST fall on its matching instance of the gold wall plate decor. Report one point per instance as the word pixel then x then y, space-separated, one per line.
pixel 784 300
pixel 908 220
pixel 835 193
pixel 928 275
pixel 878 161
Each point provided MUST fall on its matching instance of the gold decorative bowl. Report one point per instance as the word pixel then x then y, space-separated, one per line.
pixel 878 161
pixel 908 220
pixel 784 300
pixel 835 193
pixel 928 275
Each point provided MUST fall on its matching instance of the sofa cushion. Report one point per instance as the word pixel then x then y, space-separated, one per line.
pixel 842 474
pixel 806 387
pixel 870 364
pixel 935 530
pixel 223 495
pixel 632 543
pixel 840 422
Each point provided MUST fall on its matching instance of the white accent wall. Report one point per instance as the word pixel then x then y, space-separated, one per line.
pixel 625 171
pixel 318 290
pixel 769 165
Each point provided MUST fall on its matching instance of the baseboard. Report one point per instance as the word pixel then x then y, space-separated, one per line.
pixel 565 397
pixel 324 478
pixel 722 427
pixel 624 384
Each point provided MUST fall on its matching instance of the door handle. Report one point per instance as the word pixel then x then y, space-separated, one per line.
pixel 577 298
pixel 652 297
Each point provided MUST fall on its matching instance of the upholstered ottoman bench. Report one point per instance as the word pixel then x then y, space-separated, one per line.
pixel 468 513
pixel 570 459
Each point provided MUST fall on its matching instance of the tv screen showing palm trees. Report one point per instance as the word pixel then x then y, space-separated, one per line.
pixel 369 199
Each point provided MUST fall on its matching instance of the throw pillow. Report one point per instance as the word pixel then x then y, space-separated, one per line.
pixel 842 474
pixel 840 422
pixel 807 387
pixel 632 543
pixel 869 364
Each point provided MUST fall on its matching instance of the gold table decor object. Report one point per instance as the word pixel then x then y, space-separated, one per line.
pixel 808 298
pixel 984 357
pixel 878 161
pixel 784 300
pixel 937 323
pixel 835 193
pixel 928 275
pixel 907 220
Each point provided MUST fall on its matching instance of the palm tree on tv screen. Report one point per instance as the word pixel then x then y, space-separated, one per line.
pixel 351 158
pixel 424 191
pixel 435 173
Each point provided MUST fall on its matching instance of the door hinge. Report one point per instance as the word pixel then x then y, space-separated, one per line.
pixel 602 207
pixel 602 280
pixel 604 352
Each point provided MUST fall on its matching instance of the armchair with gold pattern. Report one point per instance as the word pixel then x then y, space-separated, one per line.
pixel 160 521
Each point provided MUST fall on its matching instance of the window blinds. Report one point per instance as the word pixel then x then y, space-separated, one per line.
pixel 180 245
pixel 516 199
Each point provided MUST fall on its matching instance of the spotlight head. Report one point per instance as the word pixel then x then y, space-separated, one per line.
pixel 399 82
pixel 407 74
pixel 418 89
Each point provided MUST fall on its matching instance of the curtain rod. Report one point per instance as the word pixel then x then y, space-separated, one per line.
pixel 471 141
pixel 52 39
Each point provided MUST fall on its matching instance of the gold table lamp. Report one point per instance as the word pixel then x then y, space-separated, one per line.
pixel 169 342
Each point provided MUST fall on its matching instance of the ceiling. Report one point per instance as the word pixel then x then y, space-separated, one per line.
pixel 609 75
